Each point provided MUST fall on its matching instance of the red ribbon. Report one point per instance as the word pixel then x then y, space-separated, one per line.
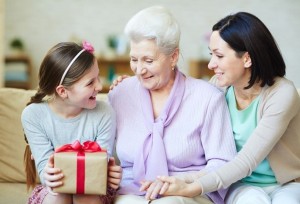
pixel 87 146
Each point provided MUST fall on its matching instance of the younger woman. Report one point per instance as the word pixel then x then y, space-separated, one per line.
pixel 68 76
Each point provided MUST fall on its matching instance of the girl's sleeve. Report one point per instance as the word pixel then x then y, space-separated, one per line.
pixel 40 145
pixel 107 128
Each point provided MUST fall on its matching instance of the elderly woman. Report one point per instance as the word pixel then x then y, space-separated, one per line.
pixel 167 123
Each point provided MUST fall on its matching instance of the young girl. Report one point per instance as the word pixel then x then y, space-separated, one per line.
pixel 69 77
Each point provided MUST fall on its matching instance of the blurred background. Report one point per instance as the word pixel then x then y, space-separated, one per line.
pixel 29 28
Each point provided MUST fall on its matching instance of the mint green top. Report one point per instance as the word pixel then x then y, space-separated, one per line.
pixel 243 123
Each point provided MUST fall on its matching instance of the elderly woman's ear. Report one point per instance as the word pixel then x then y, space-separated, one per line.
pixel 175 57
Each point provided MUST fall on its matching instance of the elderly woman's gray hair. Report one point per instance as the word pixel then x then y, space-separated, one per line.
pixel 155 23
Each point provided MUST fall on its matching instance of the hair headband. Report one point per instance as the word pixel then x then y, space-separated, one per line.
pixel 86 47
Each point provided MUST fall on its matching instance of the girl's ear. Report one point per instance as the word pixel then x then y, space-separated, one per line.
pixel 174 57
pixel 247 60
pixel 61 91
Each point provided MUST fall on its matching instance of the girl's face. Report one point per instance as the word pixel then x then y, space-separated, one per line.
pixel 83 93
pixel 152 67
pixel 228 67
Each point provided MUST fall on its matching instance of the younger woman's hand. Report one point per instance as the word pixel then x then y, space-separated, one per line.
pixel 114 174
pixel 179 187
pixel 52 176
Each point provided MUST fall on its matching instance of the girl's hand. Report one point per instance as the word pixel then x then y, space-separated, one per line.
pixel 114 174
pixel 117 81
pixel 52 176
pixel 178 187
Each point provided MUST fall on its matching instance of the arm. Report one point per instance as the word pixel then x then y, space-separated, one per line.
pixel 40 145
pixel 106 133
pixel 218 145
pixel 280 106
pixel 106 138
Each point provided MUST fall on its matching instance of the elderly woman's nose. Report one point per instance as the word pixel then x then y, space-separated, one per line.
pixel 139 68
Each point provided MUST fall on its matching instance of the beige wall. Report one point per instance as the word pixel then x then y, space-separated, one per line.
pixel 1 43
pixel 41 24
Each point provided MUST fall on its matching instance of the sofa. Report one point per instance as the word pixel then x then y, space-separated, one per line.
pixel 12 145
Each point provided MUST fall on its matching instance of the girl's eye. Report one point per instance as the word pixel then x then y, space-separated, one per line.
pixel 133 60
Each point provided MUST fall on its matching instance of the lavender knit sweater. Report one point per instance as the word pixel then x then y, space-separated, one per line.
pixel 198 138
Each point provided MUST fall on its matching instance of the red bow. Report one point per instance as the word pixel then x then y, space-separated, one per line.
pixel 87 146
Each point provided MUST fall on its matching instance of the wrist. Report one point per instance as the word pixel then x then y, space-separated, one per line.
pixel 193 189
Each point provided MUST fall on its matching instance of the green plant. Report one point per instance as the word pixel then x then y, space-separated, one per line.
pixel 17 43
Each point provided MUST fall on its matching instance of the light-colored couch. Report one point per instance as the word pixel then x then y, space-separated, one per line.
pixel 12 145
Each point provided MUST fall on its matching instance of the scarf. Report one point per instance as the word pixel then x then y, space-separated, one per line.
pixel 152 160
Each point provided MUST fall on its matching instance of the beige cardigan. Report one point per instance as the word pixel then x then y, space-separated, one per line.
pixel 277 137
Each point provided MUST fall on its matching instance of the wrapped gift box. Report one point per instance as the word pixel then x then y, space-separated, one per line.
pixel 84 172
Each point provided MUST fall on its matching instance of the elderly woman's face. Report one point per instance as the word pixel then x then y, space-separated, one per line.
pixel 152 67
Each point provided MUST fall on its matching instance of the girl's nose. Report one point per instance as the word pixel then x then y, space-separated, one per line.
pixel 99 85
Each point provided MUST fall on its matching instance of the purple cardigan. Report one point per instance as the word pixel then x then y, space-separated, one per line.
pixel 198 138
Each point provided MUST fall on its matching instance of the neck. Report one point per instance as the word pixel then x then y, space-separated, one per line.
pixel 244 97
pixel 63 109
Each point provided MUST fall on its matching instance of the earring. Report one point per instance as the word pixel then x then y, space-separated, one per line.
pixel 173 68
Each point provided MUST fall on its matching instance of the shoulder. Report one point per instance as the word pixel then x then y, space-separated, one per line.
pixel 102 109
pixel 124 90
pixel 34 110
pixel 282 95
pixel 199 86
pixel 282 88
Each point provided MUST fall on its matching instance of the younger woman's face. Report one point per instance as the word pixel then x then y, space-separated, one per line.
pixel 83 93
pixel 228 67
pixel 152 67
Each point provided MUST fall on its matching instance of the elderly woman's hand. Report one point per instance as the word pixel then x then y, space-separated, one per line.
pixel 153 188
pixel 117 81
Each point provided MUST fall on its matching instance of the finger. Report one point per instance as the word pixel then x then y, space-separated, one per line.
pixel 51 161
pixel 113 186
pixel 164 188
pixel 125 76
pixel 145 185
pixel 53 184
pixel 156 190
pixel 149 191
pixel 120 78
pixel 167 179
pixel 50 170
pixel 53 177
pixel 51 191
pixel 115 175
pixel 114 181
pixel 111 161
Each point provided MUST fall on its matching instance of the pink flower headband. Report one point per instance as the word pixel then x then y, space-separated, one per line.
pixel 86 47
